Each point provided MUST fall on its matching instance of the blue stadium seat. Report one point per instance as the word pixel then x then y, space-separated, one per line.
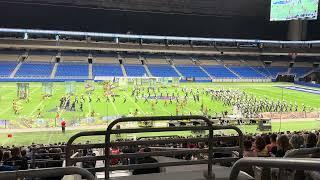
pixel 262 70
pixel 300 71
pixel 162 71
pixel 219 71
pixel 191 71
pixel 72 70
pixel 135 70
pixel 6 68
pixel 274 71
pixel 35 69
pixel 246 72
pixel 107 70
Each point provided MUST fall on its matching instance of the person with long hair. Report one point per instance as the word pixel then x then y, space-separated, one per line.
pixel 260 147
pixel 283 145
pixel 311 140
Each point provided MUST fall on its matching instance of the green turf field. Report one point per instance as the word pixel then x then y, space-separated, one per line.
pixel 27 116
pixel 287 9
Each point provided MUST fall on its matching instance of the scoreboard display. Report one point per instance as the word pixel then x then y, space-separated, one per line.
pixel 284 10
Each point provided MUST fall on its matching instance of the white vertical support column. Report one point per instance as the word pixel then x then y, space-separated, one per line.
pixel 90 71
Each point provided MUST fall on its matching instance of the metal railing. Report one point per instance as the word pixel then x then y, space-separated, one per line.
pixel 210 139
pixel 292 163
pixel 47 172
pixel 302 152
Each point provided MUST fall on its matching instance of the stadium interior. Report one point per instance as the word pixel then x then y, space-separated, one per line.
pixel 128 90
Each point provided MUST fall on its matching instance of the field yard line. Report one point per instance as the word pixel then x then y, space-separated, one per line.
pixel 36 108
pixel 50 138
pixel 137 105
pixel 5 110
pixel 89 106
pixel 115 108
pixel 164 109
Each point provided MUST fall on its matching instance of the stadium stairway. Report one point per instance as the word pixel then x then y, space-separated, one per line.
pixel 258 72
pixel 205 72
pixel 179 73
pixel 147 70
pixel 15 70
pixel 124 72
pixel 307 73
pixel 54 70
pixel 232 72
pixel 90 71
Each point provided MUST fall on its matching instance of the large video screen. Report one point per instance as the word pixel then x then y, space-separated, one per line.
pixel 283 10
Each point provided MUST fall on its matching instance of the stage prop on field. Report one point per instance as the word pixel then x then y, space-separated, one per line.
pixel 123 83
pixel 23 90
pixel 164 81
pixel 175 81
pixel 70 87
pixel 146 124
pixel 47 88
pixel 89 86
pixel 137 81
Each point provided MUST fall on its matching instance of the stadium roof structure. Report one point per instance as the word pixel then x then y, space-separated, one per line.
pixel 31 39
pixel 151 37
pixel 243 19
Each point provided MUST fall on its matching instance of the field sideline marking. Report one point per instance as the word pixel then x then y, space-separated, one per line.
pixel 137 105
pixel 50 138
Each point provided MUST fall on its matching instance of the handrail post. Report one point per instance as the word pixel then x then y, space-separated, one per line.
pixel 33 160
pixel 210 155
pixel 127 119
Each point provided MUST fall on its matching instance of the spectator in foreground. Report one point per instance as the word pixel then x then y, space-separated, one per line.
pixel 297 141
pixel 260 147
pixel 311 140
pixel 17 160
pixel 4 167
pixel 145 160
pixel 248 151
pixel 272 147
pixel 6 158
pixel 283 146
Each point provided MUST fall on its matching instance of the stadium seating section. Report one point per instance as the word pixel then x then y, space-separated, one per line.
pixel 135 70
pixel 162 71
pixel 246 72
pixel 34 70
pixel 198 68
pixel 6 68
pixel 72 70
pixel 300 71
pixel 191 71
pixel 107 70
pixel 219 71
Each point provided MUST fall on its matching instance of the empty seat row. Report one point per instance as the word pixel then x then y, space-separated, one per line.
pixel 35 69
pixel 246 72
pixel 190 71
pixel 135 70
pixel 162 71
pixel 6 68
pixel 219 71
